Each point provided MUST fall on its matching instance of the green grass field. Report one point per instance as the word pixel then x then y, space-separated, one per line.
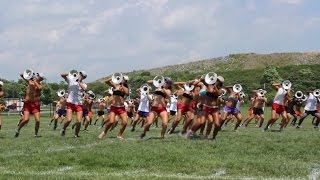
pixel 246 154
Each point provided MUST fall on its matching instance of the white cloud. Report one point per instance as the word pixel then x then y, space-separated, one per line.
pixel 103 37
pixel 290 2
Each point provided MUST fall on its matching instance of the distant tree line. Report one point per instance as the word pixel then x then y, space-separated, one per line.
pixel 303 77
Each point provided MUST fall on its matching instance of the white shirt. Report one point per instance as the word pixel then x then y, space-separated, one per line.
pixel 173 103
pixel 144 104
pixel 168 107
pixel 279 98
pixel 74 91
pixel 238 105
pixel 311 104
pixel 126 106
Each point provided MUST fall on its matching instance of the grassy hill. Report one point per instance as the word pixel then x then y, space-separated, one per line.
pixel 252 71
pixel 235 62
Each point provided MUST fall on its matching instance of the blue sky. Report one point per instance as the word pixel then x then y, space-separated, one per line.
pixel 107 36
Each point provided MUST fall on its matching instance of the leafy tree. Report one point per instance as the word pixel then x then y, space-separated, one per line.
pixel 46 96
pixel 270 75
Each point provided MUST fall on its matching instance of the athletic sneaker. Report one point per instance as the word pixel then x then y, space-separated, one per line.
pixel 120 137
pixel 142 135
pixel 102 135
pixel 189 134
pixel 63 133
pixel 76 136
pixel 16 134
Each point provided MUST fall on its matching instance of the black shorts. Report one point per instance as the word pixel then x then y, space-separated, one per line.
pixel 130 114
pixel 100 113
pixel 290 110
pixel 258 111
pixel 172 113
pixel 311 112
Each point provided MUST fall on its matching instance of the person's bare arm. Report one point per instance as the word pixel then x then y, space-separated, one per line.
pixel 1 93
pixel 64 76
pixel 229 89
pixel 37 85
pixel 276 86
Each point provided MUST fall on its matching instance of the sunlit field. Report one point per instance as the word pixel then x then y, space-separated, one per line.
pixel 246 154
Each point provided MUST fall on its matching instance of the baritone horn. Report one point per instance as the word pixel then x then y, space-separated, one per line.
pixel 73 75
pixel 237 88
pixel 158 81
pixel 145 88
pixel 261 92
pixel 316 93
pixel 298 95
pixel 242 95
pixel 224 92
pixel 211 78
pixel 61 92
pixel 286 84
pixel 188 87
pixel 117 78
pixel 28 74
pixel 92 95
pixel 304 97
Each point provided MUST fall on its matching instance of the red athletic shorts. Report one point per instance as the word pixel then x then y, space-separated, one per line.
pixel 117 110
pixel 90 113
pixel 31 107
pixel 183 107
pixel 210 110
pixel 194 104
pixel 278 108
pixel 74 107
pixel 158 109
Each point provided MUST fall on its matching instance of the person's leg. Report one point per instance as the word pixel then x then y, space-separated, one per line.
pixel 124 118
pixel 274 117
pixel 108 125
pixel 23 122
pixel 37 124
pixel 239 119
pixel 150 120
pixel 176 121
pixel 68 121
pixel 164 117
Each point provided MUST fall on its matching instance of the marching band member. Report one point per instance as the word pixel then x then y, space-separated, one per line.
pixel 158 107
pixel 2 106
pixel 278 105
pixel 109 99
pixel 297 111
pixel 258 104
pixel 144 105
pixel 173 106
pixel 62 112
pixel 232 105
pixel 74 101
pixel 87 105
pixel 183 105
pixel 120 90
pixel 32 101
pixel 310 108
pixel 130 109
pixel 210 109
pixel 101 107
